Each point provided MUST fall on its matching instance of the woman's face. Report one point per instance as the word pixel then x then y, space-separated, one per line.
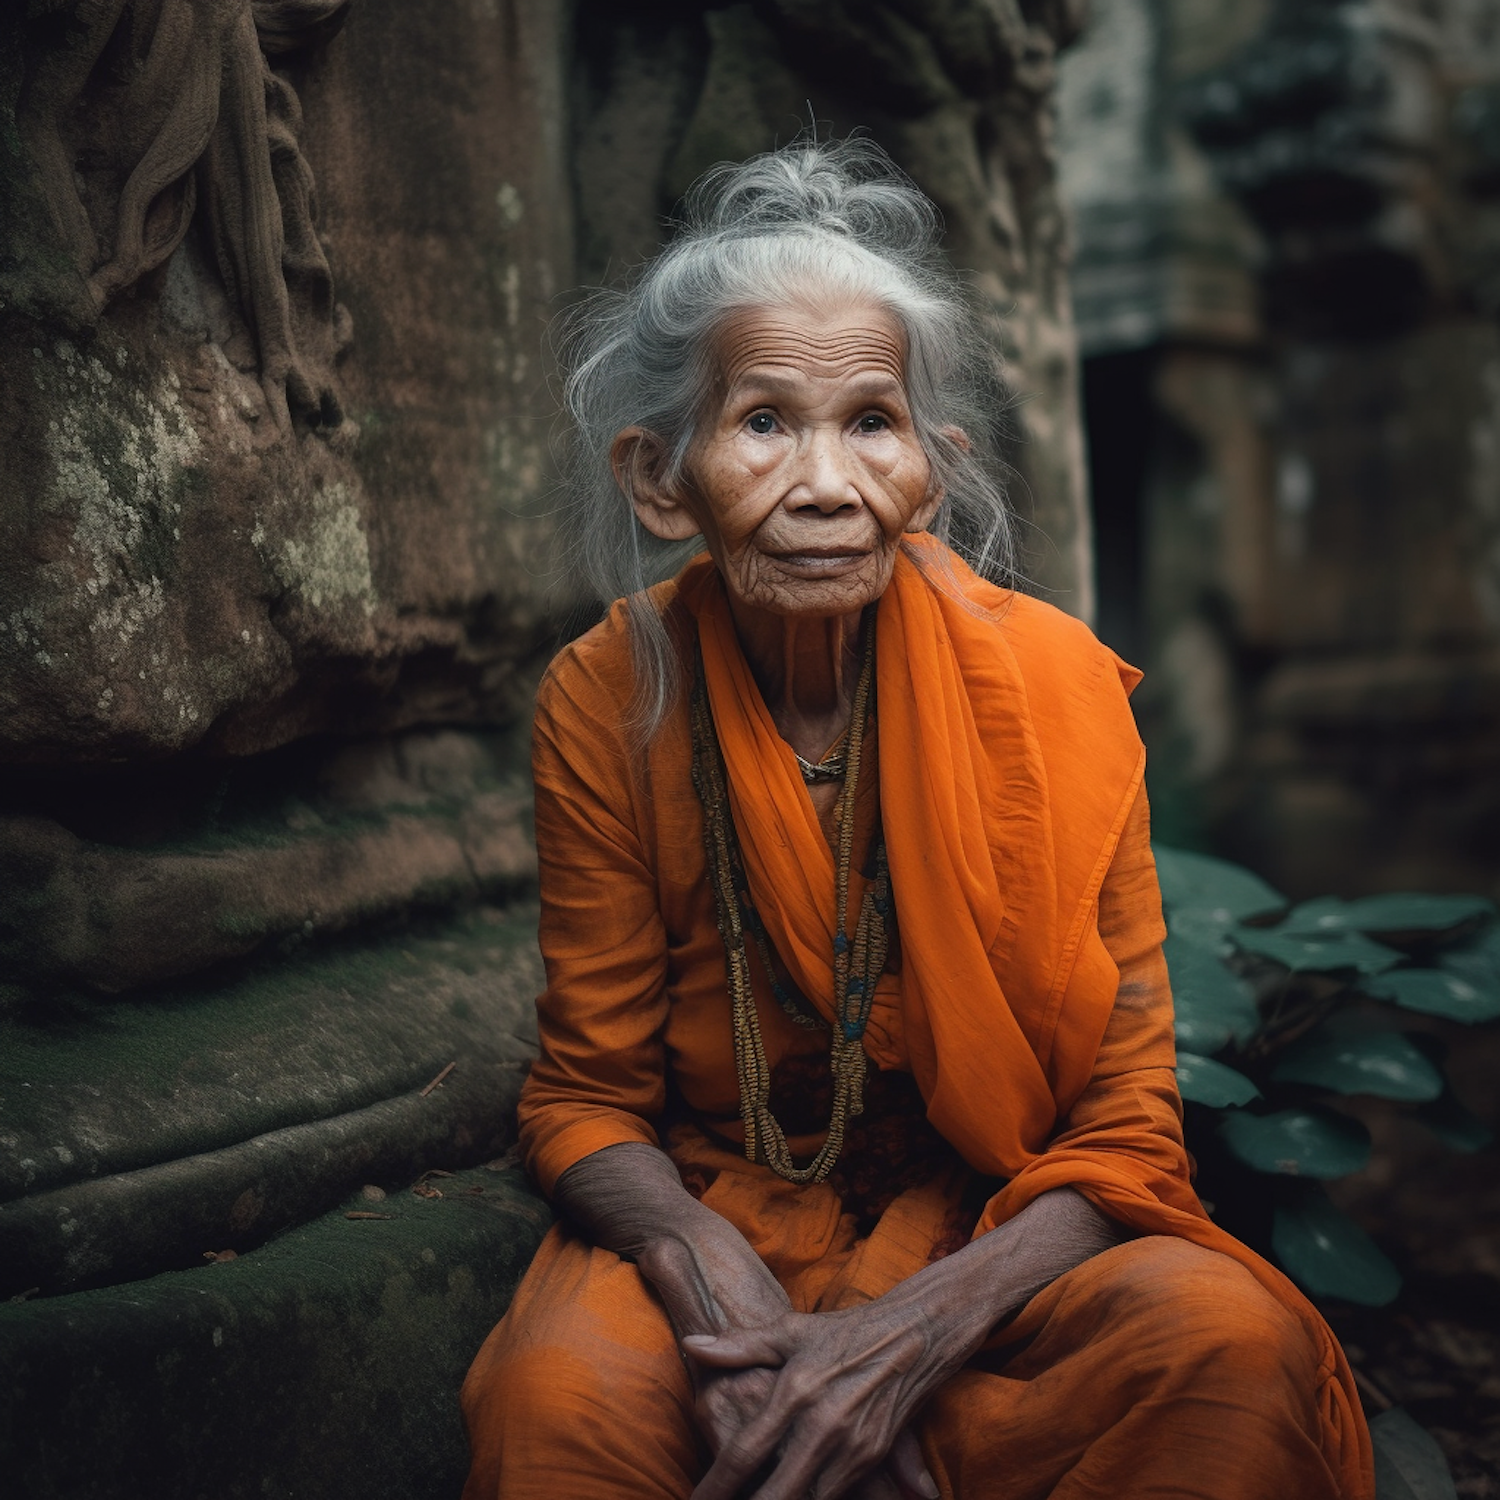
pixel 807 468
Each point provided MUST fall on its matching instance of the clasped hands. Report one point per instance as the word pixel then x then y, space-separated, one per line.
pixel 797 1404
pixel 821 1404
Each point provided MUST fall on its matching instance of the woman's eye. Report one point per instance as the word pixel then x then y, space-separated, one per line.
pixel 872 421
pixel 762 423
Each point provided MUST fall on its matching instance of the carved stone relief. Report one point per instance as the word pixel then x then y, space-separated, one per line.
pixel 146 116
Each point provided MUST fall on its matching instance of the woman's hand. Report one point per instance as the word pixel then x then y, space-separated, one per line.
pixel 822 1400
pixel 844 1386
pixel 847 1384
pixel 729 1401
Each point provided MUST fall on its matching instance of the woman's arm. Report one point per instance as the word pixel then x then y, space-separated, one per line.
pixel 629 1199
pixel 849 1382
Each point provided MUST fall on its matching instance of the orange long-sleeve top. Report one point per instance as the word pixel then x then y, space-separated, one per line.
pixel 1028 997
pixel 636 1002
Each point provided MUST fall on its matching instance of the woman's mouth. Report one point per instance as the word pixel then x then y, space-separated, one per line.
pixel 823 562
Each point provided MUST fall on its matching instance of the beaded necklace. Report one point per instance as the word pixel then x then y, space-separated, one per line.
pixel 857 965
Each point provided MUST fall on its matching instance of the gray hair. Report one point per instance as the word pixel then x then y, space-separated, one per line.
pixel 831 218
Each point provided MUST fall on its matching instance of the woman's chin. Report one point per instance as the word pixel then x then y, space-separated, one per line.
pixel 818 587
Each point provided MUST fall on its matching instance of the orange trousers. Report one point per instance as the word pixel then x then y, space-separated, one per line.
pixel 1156 1369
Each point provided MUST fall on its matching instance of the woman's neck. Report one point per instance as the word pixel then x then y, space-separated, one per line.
pixel 807 670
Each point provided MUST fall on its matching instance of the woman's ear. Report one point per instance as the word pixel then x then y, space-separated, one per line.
pixel 639 460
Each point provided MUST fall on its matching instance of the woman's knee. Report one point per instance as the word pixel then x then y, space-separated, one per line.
pixel 1202 1312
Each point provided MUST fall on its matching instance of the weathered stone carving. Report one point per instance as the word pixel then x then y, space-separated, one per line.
pixel 267 642
pixel 1314 483
pixel 1327 127
pixel 144 115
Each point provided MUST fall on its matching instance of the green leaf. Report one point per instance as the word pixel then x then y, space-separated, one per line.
pixel 1328 1254
pixel 1213 1006
pixel 1201 929
pixel 1205 1081
pixel 1348 952
pixel 1478 962
pixel 1408 912
pixel 1409 1465
pixel 1199 882
pixel 1382 1063
pixel 1436 992
pixel 1298 1142
pixel 1454 1125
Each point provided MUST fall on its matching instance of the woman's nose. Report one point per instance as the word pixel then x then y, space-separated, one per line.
pixel 824 479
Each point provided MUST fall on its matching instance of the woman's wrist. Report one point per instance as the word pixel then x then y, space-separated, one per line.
pixel 628 1198
pixel 965 1295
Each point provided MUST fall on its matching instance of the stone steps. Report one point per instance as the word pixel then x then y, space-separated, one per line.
pixel 325 1364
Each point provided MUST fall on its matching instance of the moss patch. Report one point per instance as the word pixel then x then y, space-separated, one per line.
pixel 325 1361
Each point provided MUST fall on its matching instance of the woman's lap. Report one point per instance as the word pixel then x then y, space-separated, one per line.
pixel 1155 1369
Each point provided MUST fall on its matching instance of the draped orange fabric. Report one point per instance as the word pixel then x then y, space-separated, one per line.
pixel 1009 787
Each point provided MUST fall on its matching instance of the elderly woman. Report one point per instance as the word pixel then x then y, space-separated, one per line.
pixel 856 1086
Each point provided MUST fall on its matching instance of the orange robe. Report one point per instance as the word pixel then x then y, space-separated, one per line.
pixel 1023 1042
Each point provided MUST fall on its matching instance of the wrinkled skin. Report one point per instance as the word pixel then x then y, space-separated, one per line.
pixel 806 474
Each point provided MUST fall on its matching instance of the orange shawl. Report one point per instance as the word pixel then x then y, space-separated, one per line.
pixel 1003 796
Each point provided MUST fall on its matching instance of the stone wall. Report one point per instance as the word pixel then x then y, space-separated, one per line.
pixel 1309 416
pixel 277 576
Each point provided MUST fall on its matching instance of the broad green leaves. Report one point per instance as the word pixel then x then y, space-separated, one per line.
pixel 1348 952
pixel 1409 1465
pixel 1382 1063
pixel 1436 992
pixel 1205 1081
pixel 1198 882
pixel 1298 1142
pixel 1284 996
pixel 1477 961
pixel 1329 1254
pixel 1213 1006
pixel 1412 913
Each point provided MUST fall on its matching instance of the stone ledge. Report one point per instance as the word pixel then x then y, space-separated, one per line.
pixel 80 913
pixel 90 1088
pixel 325 1364
pixel 134 1224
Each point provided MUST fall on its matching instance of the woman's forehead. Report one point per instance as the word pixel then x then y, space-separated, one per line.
pixel 823 339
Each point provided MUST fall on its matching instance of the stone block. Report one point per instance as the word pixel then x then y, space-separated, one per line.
pixel 326 1363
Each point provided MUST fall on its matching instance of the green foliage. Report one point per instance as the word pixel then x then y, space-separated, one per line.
pixel 1384 1064
pixel 1406 913
pixel 1205 1081
pixel 1198 882
pixel 1437 992
pixel 1328 1253
pixel 1409 1465
pixel 1213 1006
pixel 1281 1012
pixel 1333 953
pixel 1297 1142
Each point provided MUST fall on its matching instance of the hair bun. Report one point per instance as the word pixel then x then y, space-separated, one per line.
pixel 849 187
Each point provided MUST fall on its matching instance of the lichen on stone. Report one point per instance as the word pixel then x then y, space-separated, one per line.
pixel 120 458
pixel 328 563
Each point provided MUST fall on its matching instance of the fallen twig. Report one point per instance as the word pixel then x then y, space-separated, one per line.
pixel 360 1213
pixel 1370 1389
pixel 438 1081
